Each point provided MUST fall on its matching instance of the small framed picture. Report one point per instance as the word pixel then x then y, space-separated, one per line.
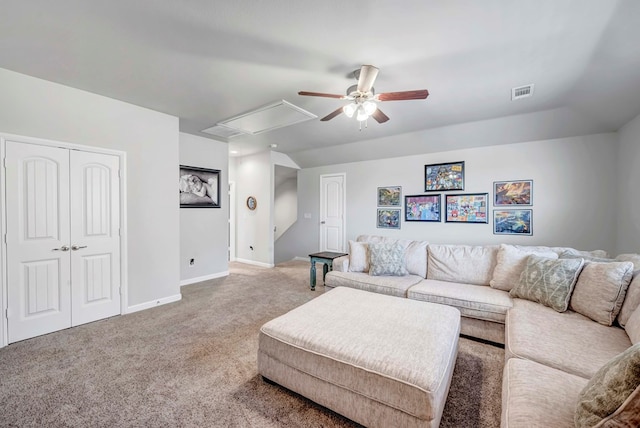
pixel 389 196
pixel 512 222
pixel 467 208
pixel 517 192
pixel 422 207
pixel 199 187
pixel 444 176
pixel 388 218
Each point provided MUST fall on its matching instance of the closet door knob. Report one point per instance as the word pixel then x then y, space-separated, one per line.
pixel 63 248
pixel 76 248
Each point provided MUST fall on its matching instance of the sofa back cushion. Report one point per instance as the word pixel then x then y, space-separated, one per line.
pixel 415 255
pixel 632 299
pixel 633 327
pixel 358 256
pixel 511 261
pixel 462 263
pixel 601 289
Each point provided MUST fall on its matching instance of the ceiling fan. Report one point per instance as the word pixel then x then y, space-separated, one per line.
pixel 364 99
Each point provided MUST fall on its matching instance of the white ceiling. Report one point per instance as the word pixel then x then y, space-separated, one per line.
pixel 207 60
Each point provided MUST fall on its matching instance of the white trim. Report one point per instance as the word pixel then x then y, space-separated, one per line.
pixel 204 278
pixel 122 156
pixel 154 303
pixel 251 262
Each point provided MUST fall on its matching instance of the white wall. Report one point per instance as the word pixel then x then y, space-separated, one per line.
pixel 285 206
pixel 628 204
pixel 573 196
pixel 37 108
pixel 253 176
pixel 204 232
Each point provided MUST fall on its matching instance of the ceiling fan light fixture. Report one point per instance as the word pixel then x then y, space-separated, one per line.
pixel 369 107
pixel 349 109
pixel 362 114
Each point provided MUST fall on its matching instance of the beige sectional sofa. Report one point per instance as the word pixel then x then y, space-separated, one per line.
pixel 552 355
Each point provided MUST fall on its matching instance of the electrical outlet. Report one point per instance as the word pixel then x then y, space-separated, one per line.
pixel 192 262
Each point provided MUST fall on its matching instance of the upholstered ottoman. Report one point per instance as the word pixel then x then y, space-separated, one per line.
pixel 379 360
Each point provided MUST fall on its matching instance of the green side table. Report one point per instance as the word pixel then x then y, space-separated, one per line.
pixel 325 257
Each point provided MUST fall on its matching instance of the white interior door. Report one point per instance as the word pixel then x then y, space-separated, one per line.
pixel 63 238
pixel 38 256
pixel 332 208
pixel 95 236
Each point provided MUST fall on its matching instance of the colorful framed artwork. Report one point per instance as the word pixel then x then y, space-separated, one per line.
pixel 389 196
pixel 422 208
pixel 199 187
pixel 512 222
pixel 444 176
pixel 517 192
pixel 467 208
pixel 388 218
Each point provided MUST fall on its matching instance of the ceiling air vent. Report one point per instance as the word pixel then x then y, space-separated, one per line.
pixel 521 92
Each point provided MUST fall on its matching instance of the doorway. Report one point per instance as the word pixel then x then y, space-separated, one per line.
pixel 332 212
pixel 62 248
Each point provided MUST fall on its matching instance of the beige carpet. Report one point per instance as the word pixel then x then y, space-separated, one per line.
pixel 193 364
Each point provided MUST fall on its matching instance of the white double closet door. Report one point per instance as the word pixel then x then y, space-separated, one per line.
pixel 63 238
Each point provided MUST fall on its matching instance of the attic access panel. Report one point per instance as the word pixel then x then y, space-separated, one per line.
pixel 268 118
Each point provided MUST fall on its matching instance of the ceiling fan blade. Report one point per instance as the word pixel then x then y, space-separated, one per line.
pixel 332 115
pixel 368 74
pixel 320 94
pixel 419 94
pixel 379 116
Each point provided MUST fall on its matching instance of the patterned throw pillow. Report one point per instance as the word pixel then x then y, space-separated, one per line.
pixel 358 256
pixel 608 391
pixel 548 281
pixel 387 259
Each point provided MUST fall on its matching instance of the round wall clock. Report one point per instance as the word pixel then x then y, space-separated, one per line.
pixel 252 203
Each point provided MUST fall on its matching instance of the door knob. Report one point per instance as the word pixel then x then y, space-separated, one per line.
pixel 76 248
pixel 63 248
pixel 323 222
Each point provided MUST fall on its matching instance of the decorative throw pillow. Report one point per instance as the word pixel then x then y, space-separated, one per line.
pixel 633 327
pixel 548 281
pixel 600 290
pixel 631 301
pixel 609 389
pixel 358 256
pixel 387 259
pixel 511 261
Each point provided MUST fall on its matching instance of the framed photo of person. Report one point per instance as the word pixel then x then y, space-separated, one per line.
pixel 422 208
pixel 199 187
pixel 517 192
pixel 467 208
pixel 444 176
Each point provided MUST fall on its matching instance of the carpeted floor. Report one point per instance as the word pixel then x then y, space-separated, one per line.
pixel 193 364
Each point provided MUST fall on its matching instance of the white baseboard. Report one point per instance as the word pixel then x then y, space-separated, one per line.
pixel 203 278
pixel 154 303
pixel 252 262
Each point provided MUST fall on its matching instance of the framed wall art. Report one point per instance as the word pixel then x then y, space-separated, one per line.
pixel 422 207
pixel 444 176
pixel 389 196
pixel 517 192
pixel 467 208
pixel 199 187
pixel 388 218
pixel 512 222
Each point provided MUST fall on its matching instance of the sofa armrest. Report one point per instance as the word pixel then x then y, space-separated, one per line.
pixel 341 264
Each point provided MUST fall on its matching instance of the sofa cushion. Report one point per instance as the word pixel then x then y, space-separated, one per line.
pixel 358 256
pixel 538 333
pixel 475 301
pixel 609 388
pixel 631 300
pixel 387 258
pixel 391 285
pixel 511 261
pixel 588 253
pixel 535 395
pixel 415 252
pixel 548 281
pixel 600 290
pixel 462 263
pixel 633 326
